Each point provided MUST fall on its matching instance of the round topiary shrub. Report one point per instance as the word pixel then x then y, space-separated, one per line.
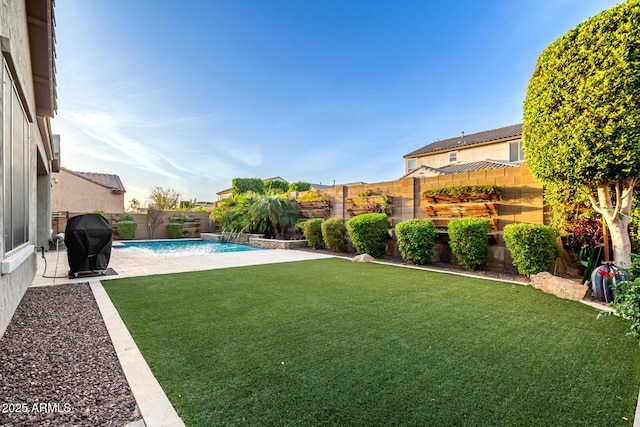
pixel 124 216
pixel 534 247
pixel 334 234
pixel 469 242
pixel 312 230
pixel 416 240
pixel 174 230
pixel 369 233
pixel 126 229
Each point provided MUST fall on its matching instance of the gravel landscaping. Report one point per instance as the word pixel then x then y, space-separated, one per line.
pixel 58 366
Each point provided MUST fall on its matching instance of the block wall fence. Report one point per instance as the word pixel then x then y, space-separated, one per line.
pixel 522 201
pixel 142 229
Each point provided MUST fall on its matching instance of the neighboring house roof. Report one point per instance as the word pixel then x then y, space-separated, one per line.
pixel 472 139
pixel 321 186
pixel 106 180
pixel 465 167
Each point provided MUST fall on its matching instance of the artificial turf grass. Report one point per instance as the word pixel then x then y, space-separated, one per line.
pixel 331 342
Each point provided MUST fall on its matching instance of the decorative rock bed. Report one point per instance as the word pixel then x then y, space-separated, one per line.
pixel 58 365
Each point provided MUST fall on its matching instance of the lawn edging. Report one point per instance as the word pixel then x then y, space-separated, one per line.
pixel 154 406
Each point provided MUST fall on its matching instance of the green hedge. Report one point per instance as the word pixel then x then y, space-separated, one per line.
pixel 174 229
pixel 334 234
pixel 244 185
pixel 534 247
pixel 369 233
pixel 416 240
pixel 126 229
pixel 312 230
pixel 469 242
pixel 124 216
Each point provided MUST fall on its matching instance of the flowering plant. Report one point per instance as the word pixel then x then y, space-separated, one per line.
pixel 609 275
pixel 584 233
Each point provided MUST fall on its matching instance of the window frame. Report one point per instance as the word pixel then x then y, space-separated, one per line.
pixel 520 151
pixel 453 156
pixel 16 163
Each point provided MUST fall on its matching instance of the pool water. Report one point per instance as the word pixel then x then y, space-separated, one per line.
pixel 181 247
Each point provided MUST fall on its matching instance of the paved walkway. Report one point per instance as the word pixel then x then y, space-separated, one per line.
pixel 154 405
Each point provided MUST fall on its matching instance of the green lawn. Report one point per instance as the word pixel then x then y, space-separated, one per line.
pixel 333 342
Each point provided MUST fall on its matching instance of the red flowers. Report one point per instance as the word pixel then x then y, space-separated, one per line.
pixel 608 274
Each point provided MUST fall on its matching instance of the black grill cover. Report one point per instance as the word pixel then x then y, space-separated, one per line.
pixel 88 240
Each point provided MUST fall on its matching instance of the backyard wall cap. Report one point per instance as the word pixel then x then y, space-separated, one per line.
pixel 363 258
pixel 558 286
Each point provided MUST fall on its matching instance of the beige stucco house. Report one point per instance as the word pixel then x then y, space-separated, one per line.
pixel 491 149
pixel 29 155
pixel 81 192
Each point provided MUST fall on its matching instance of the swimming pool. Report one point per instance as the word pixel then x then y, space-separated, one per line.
pixel 180 247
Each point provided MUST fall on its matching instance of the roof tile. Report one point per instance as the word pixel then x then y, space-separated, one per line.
pixel 465 140
pixel 110 181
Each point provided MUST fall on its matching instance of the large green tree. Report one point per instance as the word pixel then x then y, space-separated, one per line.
pixel 582 115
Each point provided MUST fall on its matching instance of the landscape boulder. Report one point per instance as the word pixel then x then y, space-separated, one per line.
pixel 558 286
pixel 363 258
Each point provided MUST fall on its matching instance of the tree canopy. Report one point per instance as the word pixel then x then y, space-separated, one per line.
pixel 582 115
pixel 244 185
pixel 162 199
pixel 582 109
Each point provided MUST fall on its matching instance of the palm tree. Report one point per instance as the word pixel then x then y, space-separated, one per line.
pixel 273 214
pixel 233 213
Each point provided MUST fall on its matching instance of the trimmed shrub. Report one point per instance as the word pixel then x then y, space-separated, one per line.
pixel 124 216
pixel 534 247
pixel 245 185
pixel 463 190
pixel 312 195
pixel 369 233
pixel 126 229
pixel 299 186
pixel 416 240
pixel 312 230
pixel 469 242
pixel 174 230
pixel 334 234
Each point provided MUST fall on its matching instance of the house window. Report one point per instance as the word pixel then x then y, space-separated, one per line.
pixel 412 164
pixel 453 157
pixel 515 152
pixel 15 165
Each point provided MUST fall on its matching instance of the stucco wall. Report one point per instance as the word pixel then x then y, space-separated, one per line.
pixel 73 193
pixel 14 31
pixel 497 151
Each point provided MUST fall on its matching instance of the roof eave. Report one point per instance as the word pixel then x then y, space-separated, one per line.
pixel 475 144
pixel 41 24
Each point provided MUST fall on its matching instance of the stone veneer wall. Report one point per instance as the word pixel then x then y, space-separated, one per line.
pixel 256 240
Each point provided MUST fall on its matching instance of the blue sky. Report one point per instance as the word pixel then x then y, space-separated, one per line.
pixel 190 95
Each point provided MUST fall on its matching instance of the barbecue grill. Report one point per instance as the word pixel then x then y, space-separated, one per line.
pixel 88 240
